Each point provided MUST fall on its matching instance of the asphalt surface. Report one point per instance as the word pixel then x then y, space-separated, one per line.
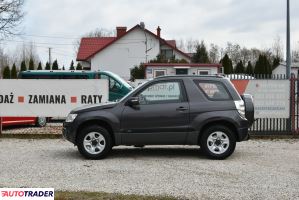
pixel 259 169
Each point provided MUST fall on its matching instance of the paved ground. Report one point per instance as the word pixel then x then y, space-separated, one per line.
pixel 258 169
pixel 51 128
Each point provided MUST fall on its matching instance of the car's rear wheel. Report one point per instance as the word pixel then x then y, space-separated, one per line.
pixel 218 142
pixel 94 142
pixel 41 121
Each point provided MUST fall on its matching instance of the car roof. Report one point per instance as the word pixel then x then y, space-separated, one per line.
pixel 204 77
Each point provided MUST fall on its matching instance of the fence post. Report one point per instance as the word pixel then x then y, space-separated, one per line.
pixel 0 125
pixel 292 105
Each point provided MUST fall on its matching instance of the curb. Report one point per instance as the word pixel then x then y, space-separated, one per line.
pixel 32 136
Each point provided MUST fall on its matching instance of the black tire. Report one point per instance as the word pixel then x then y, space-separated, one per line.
pixel 219 155
pixel 99 130
pixel 41 121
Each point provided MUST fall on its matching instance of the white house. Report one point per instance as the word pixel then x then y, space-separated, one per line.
pixel 153 70
pixel 129 48
pixel 281 69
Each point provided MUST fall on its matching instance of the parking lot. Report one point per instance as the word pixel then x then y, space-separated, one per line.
pixel 259 169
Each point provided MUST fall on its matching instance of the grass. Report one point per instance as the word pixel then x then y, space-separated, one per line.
pixel 105 196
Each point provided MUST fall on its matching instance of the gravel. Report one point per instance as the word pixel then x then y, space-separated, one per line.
pixel 259 169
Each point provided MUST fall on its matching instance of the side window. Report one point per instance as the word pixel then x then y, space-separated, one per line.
pixel 213 90
pixel 160 93
pixel 159 72
pixel 114 86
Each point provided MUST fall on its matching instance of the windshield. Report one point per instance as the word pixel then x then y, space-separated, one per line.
pixel 119 79
pixel 119 100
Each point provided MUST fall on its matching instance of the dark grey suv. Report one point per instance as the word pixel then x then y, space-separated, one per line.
pixel 173 110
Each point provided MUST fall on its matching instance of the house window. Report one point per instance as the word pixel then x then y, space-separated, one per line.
pixel 166 53
pixel 203 72
pixel 159 72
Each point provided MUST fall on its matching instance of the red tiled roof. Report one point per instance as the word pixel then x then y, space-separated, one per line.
pixel 90 46
pixel 171 43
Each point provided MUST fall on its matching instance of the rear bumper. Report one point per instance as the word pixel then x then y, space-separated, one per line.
pixel 243 134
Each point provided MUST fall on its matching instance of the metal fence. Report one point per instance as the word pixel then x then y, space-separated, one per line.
pixel 275 126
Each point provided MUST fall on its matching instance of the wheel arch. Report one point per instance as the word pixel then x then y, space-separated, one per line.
pixel 222 122
pixel 99 122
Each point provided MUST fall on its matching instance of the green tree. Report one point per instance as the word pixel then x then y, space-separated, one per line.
pixel 227 65
pixel 79 66
pixel 14 73
pixel 138 72
pixel 276 62
pixel 263 65
pixel 6 73
pixel 39 66
pixel 249 69
pixel 55 65
pixel 240 69
pixel 201 55
pixel 23 66
pixel 48 66
pixel 31 64
pixel 63 68
pixel 72 66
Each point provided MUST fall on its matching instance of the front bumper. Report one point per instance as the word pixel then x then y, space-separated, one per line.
pixel 68 132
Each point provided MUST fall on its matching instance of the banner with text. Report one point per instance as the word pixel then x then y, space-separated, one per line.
pixel 49 98
pixel 271 97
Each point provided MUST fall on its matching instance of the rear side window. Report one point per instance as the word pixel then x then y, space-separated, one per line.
pixel 213 90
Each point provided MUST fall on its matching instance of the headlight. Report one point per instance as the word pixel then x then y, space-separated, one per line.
pixel 71 117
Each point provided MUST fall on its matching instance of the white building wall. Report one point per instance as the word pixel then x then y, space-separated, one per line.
pixel 281 69
pixel 125 53
pixel 84 64
pixel 180 56
pixel 171 71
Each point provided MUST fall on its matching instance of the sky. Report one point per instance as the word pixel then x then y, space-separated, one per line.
pixel 60 23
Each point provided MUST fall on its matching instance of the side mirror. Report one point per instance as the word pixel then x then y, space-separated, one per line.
pixel 133 101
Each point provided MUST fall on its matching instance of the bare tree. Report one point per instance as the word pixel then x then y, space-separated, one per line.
pixel 190 45
pixel 295 53
pixel 11 15
pixel 245 55
pixel 214 53
pixel 277 48
pixel 25 52
pixel 181 45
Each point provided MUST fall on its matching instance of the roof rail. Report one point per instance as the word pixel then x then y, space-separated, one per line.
pixel 206 76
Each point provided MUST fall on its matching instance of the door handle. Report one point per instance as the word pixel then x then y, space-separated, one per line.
pixel 181 108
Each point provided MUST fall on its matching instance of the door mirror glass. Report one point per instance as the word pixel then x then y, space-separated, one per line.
pixel 134 101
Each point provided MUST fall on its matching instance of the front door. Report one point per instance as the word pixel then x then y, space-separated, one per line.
pixel 161 118
pixel 181 71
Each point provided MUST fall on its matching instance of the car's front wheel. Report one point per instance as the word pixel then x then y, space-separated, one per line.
pixel 218 142
pixel 94 142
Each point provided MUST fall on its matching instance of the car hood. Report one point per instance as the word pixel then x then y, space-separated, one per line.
pixel 94 107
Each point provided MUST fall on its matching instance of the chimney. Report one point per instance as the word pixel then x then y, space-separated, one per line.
pixel 159 31
pixel 120 31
